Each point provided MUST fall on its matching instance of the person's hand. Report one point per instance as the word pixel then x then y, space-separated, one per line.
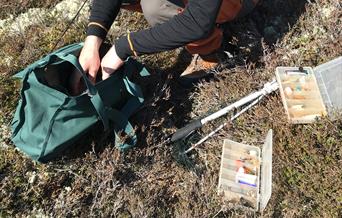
pixel 90 57
pixel 110 63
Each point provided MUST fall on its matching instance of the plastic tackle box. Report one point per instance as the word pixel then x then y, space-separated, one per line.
pixel 246 173
pixel 310 93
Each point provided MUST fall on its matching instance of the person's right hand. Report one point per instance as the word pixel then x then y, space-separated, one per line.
pixel 90 57
pixel 90 62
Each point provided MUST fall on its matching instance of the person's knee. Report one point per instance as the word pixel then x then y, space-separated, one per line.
pixel 159 11
pixel 152 10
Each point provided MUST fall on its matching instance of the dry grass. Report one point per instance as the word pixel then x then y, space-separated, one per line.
pixel 13 8
pixel 154 180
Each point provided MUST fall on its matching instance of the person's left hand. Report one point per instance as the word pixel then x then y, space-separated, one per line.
pixel 110 63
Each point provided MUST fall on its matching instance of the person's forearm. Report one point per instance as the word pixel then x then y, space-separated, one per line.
pixel 102 16
pixel 196 22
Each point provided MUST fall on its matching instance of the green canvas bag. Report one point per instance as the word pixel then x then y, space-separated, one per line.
pixel 48 119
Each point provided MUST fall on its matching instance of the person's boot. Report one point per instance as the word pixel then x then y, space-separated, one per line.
pixel 202 66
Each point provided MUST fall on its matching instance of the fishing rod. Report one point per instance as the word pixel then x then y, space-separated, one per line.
pixel 223 125
pixel 68 26
pixel 196 124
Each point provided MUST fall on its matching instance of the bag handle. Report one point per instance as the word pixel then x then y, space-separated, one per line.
pixel 91 89
pixel 133 89
pixel 121 123
pixel 120 118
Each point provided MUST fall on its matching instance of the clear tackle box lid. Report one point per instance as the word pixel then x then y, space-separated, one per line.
pixel 329 79
pixel 266 171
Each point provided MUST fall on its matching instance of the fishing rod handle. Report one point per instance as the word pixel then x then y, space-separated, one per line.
pixel 185 131
pixel 232 106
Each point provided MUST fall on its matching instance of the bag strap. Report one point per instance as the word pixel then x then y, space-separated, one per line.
pixel 121 123
pixel 69 48
pixel 91 89
pixel 133 89
pixel 132 104
pixel 120 118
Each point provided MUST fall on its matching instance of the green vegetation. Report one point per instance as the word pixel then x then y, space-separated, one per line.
pixel 153 180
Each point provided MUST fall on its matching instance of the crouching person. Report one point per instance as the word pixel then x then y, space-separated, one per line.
pixel 174 23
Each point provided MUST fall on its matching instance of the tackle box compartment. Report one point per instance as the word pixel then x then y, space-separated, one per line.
pixel 246 173
pixel 309 93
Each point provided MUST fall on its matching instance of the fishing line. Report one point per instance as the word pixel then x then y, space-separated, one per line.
pixel 69 25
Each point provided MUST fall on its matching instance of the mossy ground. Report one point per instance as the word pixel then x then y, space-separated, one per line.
pixel 13 8
pixel 154 180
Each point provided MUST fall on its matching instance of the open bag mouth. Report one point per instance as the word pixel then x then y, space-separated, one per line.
pixel 64 77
